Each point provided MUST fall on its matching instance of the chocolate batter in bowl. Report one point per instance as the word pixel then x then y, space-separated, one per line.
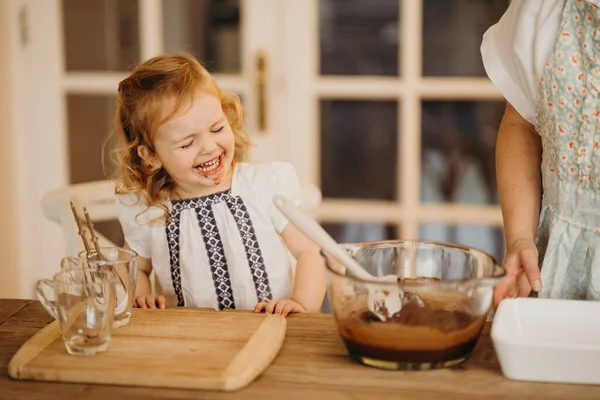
pixel 446 294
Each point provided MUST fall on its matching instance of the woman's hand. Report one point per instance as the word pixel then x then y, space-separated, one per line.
pixel 279 307
pixel 522 271
pixel 150 302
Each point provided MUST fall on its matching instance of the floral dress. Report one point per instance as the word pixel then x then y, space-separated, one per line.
pixel 568 120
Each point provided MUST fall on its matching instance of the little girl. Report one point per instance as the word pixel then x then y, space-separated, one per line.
pixel 197 215
pixel 543 55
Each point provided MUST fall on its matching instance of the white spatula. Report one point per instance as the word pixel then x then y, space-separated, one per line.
pixel 383 301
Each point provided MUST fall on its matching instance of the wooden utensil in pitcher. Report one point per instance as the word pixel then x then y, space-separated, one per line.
pixel 94 254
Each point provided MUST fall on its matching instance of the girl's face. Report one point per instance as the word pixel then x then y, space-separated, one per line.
pixel 196 148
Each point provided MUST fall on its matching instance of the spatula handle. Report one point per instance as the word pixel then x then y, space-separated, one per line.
pixel 314 231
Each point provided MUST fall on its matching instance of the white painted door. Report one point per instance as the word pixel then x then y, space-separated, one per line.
pixel 73 55
pixel 391 115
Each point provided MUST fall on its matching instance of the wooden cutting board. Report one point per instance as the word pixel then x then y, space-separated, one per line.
pixel 175 348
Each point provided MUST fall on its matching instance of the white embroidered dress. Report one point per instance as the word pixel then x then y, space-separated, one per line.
pixel 222 250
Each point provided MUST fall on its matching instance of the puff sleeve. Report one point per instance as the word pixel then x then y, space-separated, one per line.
pixel 514 50
pixel 281 179
pixel 135 223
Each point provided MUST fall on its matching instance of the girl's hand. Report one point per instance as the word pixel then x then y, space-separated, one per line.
pixel 150 302
pixel 522 272
pixel 279 307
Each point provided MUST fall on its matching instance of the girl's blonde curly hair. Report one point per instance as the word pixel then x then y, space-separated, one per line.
pixel 152 94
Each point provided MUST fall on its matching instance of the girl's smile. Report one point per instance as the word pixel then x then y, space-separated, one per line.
pixel 211 168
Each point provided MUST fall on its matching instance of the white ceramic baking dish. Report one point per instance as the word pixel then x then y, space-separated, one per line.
pixel 548 340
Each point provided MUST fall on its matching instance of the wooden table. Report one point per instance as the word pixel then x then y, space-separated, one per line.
pixel 312 364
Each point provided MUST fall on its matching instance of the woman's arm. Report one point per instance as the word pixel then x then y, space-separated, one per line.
pixel 518 160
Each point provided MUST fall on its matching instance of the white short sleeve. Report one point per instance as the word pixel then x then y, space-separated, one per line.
pixel 515 50
pixel 264 181
pixel 136 227
pixel 286 184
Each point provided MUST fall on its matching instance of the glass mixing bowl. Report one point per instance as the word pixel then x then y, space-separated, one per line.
pixel 446 292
